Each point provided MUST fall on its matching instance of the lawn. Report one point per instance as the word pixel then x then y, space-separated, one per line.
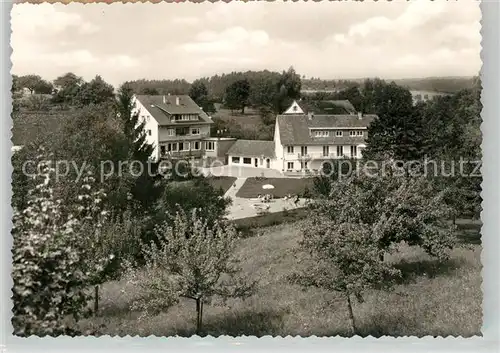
pixel 282 187
pixel 431 299
pixel 224 182
pixel 248 125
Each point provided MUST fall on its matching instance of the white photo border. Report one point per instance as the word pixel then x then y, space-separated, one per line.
pixel 490 216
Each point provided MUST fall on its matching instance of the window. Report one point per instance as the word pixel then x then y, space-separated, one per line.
pixel 326 151
pixel 339 133
pixel 247 160
pixel 289 149
pixel 354 151
pixel 196 145
pixel 169 147
pixel 174 147
pixel 195 131
pixel 303 150
pixel 289 166
pixel 352 133
pixel 321 133
pixel 149 132
pixel 294 108
pixel 183 146
pixel 340 151
pixel 162 149
pixel 182 131
pixel 171 132
pixel 210 146
pixel 235 160
pixel 193 117
pixel 359 133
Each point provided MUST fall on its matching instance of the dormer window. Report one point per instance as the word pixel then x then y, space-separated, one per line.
pixel 321 133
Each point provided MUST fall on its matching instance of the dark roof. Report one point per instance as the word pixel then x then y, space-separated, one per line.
pixel 162 111
pixel 295 129
pixel 327 107
pixel 252 148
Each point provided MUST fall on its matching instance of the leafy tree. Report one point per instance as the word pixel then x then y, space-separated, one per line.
pixel 237 95
pixel 35 84
pixel 51 271
pixel 346 258
pixel 15 84
pixel 199 92
pixel 68 88
pixel 263 92
pixel 176 87
pixel 68 80
pixel 194 260
pixel 397 207
pixel 288 89
pixel 150 91
pixel 398 131
pixel 97 91
pixel 194 194
pixel 94 138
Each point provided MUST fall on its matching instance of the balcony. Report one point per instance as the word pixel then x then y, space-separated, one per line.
pixel 303 156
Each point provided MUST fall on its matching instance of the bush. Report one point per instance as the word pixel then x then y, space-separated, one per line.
pixel 52 267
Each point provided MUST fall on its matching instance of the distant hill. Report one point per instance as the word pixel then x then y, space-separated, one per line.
pixel 428 84
pixel 437 84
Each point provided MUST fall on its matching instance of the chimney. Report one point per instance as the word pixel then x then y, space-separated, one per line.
pixel 164 100
pixel 176 100
pixel 360 115
pixel 310 115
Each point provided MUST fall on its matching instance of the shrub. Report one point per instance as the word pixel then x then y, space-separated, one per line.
pixel 52 270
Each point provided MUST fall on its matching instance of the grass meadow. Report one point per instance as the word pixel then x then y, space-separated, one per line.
pixel 438 299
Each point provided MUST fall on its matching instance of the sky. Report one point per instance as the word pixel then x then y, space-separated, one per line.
pixel 331 40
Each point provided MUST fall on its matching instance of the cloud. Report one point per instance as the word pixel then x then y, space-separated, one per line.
pixel 191 40
pixel 190 21
pixel 45 19
pixel 229 40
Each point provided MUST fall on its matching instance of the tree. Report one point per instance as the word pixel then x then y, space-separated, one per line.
pixel 263 92
pixel 193 260
pixel 35 84
pixel 150 91
pixel 397 207
pixel 288 89
pixel 348 233
pixel 398 130
pixel 97 91
pixel 198 92
pixel 237 95
pixel 15 84
pixel 147 186
pixel 190 195
pixel 51 268
pixel 345 258
pixel 68 80
pixel 68 87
